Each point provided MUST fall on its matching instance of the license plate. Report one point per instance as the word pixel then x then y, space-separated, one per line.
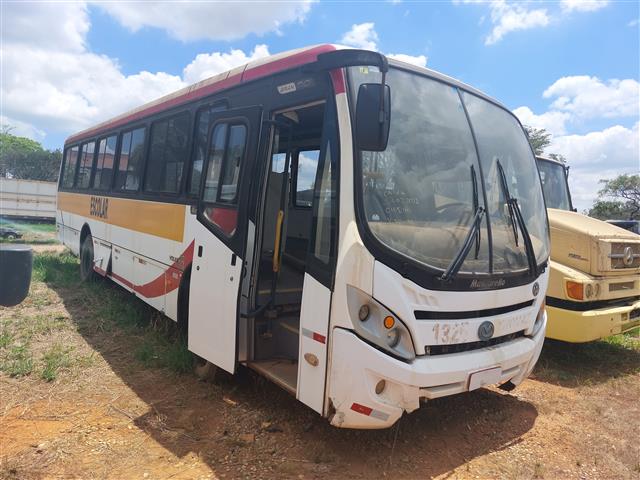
pixel 483 378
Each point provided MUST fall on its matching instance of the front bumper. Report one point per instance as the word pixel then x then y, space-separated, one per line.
pixel 586 326
pixel 357 367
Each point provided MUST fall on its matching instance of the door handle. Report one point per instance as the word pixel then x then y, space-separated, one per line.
pixel 199 250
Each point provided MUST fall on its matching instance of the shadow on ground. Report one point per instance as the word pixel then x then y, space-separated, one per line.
pixel 579 364
pixel 245 420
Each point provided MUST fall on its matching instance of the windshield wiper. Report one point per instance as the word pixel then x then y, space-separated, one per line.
pixel 473 233
pixel 474 182
pixel 516 217
pixel 457 262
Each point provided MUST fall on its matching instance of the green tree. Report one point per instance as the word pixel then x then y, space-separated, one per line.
pixel 24 158
pixel 539 139
pixel 619 199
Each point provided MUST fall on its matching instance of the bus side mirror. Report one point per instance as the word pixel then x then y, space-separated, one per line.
pixel 373 117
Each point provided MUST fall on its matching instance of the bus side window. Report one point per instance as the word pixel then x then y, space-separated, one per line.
pixel 169 141
pixel 104 163
pixel 69 167
pixel 221 179
pixel 130 160
pixel 86 164
pixel 203 121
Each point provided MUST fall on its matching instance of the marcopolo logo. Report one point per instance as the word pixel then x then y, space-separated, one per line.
pixel 99 207
pixel 487 283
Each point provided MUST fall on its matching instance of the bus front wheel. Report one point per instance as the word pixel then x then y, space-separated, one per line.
pixel 86 259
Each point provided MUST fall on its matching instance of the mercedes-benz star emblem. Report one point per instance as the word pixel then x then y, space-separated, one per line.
pixel 536 289
pixel 485 330
pixel 627 258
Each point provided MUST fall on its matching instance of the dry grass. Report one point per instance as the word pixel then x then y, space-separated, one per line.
pixel 95 385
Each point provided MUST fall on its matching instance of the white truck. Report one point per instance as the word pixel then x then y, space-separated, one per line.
pixel 29 199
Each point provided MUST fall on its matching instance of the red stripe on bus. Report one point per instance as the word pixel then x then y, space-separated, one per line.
pixel 165 283
pixel 99 271
pixel 356 407
pixel 122 280
pixel 307 56
pixel 319 338
pixel 337 78
pixel 302 58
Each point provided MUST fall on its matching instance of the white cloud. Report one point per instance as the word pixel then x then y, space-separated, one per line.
pixel 633 23
pixel 60 25
pixel 362 35
pixel 508 18
pixel 583 5
pixel 419 60
pixel 589 97
pixel 207 20
pixel 598 155
pixel 206 65
pixel 50 81
pixel 552 121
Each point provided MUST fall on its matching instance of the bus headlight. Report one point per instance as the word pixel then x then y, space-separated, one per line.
pixel 375 323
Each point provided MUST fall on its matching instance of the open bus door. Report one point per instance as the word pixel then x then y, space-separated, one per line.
pixel 220 235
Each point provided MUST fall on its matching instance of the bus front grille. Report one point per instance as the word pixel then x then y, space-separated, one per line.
pixel 465 347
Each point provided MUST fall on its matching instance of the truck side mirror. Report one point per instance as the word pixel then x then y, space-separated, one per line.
pixel 373 116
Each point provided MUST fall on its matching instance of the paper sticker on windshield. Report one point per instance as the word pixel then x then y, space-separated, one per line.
pixel 286 88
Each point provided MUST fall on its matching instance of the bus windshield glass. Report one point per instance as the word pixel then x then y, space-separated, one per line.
pixel 554 185
pixel 421 195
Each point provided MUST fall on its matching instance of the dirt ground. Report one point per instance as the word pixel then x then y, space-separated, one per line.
pixel 88 393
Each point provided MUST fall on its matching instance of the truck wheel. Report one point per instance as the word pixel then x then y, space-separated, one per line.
pixel 86 259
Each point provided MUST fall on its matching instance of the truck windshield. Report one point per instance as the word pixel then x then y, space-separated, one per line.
pixel 554 184
pixel 418 195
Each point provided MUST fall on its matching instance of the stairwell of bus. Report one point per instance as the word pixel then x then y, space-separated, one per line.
pixel 287 222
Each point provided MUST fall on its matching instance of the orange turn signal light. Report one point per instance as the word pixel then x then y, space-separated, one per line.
pixel 575 290
pixel 389 321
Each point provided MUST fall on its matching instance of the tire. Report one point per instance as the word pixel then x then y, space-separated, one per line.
pixel 183 305
pixel 86 259
pixel 203 369
pixel 11 236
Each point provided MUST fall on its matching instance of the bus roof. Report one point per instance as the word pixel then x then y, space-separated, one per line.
pixel 549 159
pixel 250 71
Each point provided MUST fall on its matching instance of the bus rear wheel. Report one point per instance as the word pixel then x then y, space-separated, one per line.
pixel 86 259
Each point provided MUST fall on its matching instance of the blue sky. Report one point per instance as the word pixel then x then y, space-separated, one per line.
pixel 571 67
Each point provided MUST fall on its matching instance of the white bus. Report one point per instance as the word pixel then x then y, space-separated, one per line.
pixel 365 233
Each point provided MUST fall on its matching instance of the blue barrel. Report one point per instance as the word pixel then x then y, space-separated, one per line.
pixel 15 273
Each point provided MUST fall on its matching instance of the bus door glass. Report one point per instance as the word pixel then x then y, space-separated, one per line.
pixel 320 264
pixel 220 235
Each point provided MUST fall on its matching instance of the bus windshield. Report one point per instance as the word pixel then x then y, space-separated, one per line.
pixel 554 185
pixel 442 162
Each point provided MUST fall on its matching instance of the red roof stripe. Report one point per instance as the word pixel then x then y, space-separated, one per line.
pixel 291 61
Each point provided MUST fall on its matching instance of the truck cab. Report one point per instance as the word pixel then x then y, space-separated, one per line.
pixel 594 280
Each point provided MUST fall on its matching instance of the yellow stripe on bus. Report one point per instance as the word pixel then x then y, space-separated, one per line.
pixel 164 220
